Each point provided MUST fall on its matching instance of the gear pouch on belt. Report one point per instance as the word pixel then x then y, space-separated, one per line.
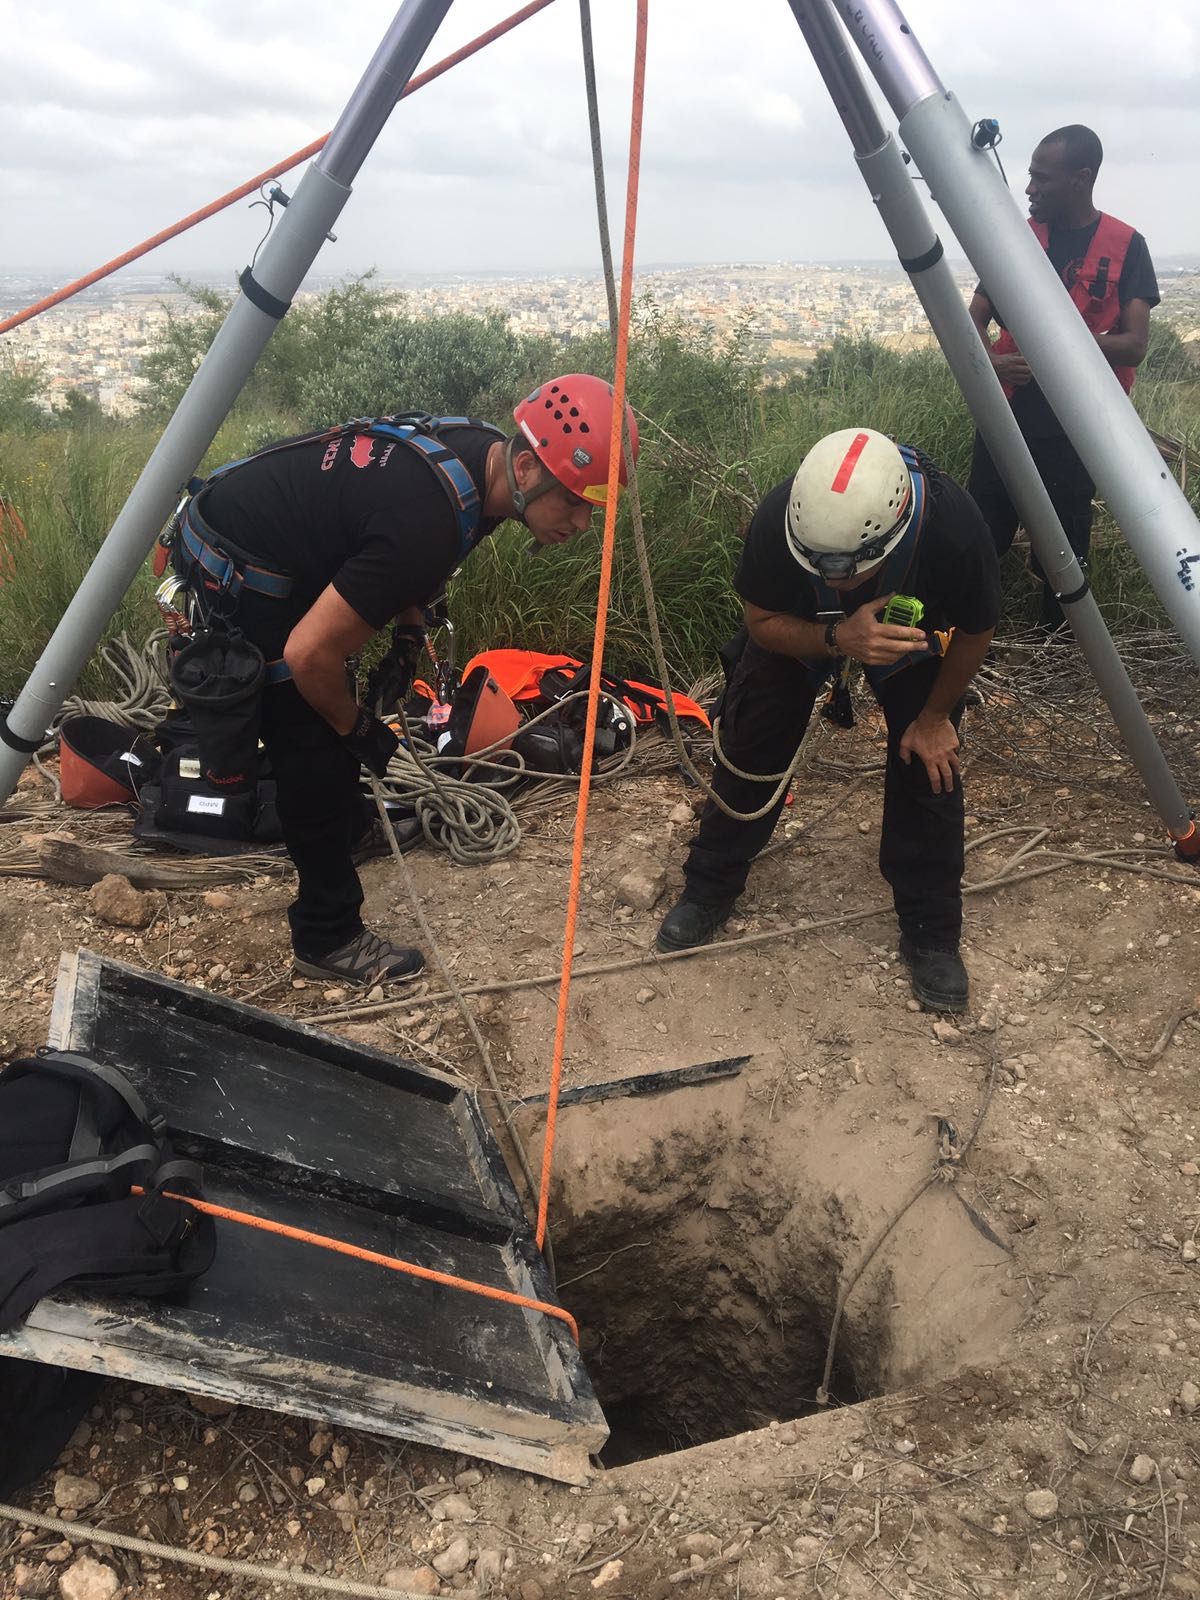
pixel 187 803
pixel 219 679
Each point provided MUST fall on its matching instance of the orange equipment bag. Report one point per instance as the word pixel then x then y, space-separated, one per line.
pixel 520 672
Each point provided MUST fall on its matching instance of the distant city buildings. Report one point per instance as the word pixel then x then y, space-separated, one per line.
pixel 784 312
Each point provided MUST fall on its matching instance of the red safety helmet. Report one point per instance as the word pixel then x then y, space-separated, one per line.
pixel 568 423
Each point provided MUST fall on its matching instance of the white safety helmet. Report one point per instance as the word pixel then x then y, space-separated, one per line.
pixel 850 503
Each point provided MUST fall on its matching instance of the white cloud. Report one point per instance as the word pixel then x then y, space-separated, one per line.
pixel 118 117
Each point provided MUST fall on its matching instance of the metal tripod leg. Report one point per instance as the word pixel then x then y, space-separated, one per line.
pixel 1095 412
pixel 253 317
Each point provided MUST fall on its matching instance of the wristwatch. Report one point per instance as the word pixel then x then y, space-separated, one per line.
pixel 831 629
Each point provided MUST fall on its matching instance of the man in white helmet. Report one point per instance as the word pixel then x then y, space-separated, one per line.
pixel 862 520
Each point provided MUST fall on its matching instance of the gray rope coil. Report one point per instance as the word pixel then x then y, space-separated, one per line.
pixel 476 821
pixel 140 671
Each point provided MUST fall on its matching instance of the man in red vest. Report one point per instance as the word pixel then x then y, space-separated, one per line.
pixel 1108 273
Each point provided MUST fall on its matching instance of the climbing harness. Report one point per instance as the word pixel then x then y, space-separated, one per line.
pixel 209 561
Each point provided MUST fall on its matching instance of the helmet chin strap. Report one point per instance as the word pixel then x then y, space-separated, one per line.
pixel 523 498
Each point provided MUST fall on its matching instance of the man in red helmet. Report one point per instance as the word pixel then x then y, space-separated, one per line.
pixel 316 544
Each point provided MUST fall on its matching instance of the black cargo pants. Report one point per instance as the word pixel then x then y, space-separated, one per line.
pixel 322 809
pixel 765 710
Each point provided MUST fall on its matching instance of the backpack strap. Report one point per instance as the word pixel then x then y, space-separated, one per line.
pixel 85 1169
pixel 54 1186
pixel 78 1068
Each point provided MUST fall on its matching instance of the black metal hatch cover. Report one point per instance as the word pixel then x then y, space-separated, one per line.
pixel 330 1136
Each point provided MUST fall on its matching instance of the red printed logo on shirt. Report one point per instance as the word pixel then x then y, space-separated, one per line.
pixel 362 450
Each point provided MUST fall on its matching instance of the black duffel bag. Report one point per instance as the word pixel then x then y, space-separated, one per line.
pixel 75 1138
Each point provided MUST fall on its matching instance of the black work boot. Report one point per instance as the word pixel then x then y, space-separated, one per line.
pixel 366 959
pixel 373 842
pixel 690 923
pixel 939 979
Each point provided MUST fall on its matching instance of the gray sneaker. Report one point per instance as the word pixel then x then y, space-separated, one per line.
pixel 366 959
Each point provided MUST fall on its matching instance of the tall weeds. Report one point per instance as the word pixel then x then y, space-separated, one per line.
pixel 736 439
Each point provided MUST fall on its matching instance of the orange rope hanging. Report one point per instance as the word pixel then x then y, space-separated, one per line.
pixel 339 1247
pixel 252 184
pixel 606 559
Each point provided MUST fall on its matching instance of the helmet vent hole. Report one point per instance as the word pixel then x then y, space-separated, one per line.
pixel 574 411
pixel 566 427
pixel 558 416
pixel 583 428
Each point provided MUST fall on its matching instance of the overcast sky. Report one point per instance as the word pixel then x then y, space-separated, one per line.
pixel 118 116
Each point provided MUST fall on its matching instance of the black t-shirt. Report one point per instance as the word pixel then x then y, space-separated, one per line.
pixel 1067 249
pixel 364 513
pixel 954 571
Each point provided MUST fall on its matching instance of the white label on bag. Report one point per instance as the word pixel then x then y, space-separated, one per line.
pixel 210 805
pixel 189 767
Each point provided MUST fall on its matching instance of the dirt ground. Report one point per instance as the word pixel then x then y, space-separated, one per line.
pixel 1027 1338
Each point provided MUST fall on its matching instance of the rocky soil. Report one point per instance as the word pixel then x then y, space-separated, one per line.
pixel 1062 1463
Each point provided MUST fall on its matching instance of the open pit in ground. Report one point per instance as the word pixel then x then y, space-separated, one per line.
pixel 1086 1165
pixel 702 1235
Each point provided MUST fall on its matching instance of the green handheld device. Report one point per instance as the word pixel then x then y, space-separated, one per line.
pixel 904 610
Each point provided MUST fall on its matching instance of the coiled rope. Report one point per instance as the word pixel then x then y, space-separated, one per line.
pixel 143 695
pixel 475 821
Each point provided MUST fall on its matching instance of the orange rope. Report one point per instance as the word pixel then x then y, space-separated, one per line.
pixel 606 559
pixel 252 184
pixel 339 1246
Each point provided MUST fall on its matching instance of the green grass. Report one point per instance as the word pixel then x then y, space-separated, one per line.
pixel 68 487
pixel 738 438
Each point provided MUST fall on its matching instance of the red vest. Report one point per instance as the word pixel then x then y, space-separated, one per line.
pixel 1095 290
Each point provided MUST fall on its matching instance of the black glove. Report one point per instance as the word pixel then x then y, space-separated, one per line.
pixel 389 683
pixel 372 742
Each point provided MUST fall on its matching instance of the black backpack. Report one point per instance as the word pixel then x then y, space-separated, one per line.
pixel 74 1137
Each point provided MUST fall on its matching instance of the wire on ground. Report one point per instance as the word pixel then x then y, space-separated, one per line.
pixel 288 1577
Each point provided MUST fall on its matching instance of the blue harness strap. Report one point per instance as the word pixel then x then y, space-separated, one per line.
pixel 419 432
pixel 458 483
pixel 227 573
